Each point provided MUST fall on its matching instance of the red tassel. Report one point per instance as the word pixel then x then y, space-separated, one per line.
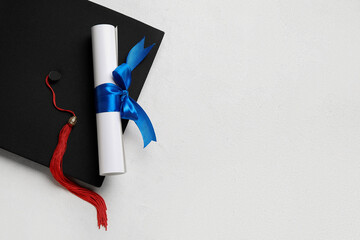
pixel 56 168
pixel 83 193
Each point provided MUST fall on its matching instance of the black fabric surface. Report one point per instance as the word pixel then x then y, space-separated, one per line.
pixel 37 37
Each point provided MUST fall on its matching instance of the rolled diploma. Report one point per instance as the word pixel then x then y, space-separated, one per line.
pixel 109 131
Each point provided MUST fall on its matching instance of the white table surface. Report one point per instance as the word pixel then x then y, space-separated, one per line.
pixel 256 105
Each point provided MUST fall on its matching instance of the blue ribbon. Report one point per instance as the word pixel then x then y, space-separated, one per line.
pixel 115 97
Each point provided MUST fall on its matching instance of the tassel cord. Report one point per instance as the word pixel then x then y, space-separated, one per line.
pixel 56 168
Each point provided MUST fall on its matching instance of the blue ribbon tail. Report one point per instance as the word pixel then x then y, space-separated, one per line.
pixel 144 124
pixel 137 54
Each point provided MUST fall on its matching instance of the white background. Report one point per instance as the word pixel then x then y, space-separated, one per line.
pixel 256 106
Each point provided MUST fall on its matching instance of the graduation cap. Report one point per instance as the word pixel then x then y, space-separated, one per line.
pixel 38 37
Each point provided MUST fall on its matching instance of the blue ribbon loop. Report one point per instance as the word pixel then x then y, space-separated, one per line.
pixel 115 97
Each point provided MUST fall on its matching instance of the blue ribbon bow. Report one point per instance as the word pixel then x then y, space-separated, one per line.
pixel 115 98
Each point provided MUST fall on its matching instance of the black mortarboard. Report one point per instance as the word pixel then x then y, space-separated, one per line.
pixel 39 36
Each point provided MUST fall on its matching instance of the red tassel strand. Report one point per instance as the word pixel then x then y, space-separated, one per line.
pixel 56 168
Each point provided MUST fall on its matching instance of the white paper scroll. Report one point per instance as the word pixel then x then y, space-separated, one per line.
pixel 109 133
